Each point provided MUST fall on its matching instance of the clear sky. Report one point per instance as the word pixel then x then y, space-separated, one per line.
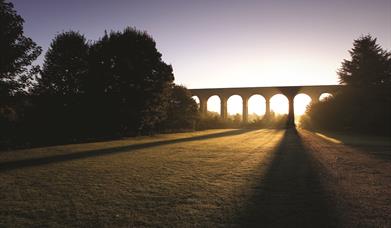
pixel 226 43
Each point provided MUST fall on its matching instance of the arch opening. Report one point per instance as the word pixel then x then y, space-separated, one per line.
pixel 256 107
pixel 235 107
pixel 325 96
pixel 213 105
pixel 279 104
pixel 197 100
pixel 301 102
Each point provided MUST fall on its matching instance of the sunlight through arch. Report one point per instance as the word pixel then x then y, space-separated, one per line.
pixel 234 105
pixel 301 101
pixel 213 104
pixel 197 100
pixel 279 104
pixel 256 106
pixel 324 96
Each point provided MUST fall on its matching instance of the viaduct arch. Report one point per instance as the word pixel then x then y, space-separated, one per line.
pixel 267 92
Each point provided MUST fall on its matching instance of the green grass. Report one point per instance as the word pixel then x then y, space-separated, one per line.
pixel 213 178
pixel 186 179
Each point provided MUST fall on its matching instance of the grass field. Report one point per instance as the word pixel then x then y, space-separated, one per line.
pixel 269 178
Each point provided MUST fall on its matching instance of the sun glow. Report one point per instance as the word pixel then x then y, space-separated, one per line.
pixel 324 96
pixel 235 105
pixel 213 104
pixel 301 101
pixel 257 104
pixel 279 104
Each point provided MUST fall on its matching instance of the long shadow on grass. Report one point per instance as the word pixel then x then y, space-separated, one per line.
pixel 290 194
pixel 6 166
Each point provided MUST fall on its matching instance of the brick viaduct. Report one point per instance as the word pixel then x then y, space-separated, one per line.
pixel 267 92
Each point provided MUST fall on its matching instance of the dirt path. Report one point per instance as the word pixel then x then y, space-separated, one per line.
pixel 222 178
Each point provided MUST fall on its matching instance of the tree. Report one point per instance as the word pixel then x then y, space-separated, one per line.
pixel 17 52
pixel 61 105
pixel 182 110
pixel 365 104
pixel 129 81
pixel 66 66
pixel 370 65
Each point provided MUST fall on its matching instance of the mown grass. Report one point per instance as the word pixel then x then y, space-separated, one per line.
pixel 214 178
pixel 356 171
pixel 188 179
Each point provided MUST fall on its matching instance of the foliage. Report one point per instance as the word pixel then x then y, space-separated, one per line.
pixel 212 120
pixel 59 102
pixel 364 105
pixel 369 64
pixel 356 110
pixel 66 66
pixel 182 110
pixel 116 87
pixel 17 52
pixel 272 121
pixel 128 81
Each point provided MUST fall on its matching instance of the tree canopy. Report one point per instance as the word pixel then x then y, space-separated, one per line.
pixel 65 67
pixel 182 112
pixel 365 104
pixel 128 72
pixel 370 65
pixel 17 52
pixel 116 86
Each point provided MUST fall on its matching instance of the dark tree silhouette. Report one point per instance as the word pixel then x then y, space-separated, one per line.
pixel 60 105
pixel 182 110
pixel 364 105
pixel 17 52
pixel 129 82
pixel 66 66
pixel 369 64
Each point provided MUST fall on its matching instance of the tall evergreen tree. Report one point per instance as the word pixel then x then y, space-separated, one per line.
pixel 17 52
pixel 370 65
pixel 365 104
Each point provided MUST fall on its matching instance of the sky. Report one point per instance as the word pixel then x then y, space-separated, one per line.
pixel 226 43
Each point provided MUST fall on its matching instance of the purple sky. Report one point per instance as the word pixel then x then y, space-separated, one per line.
pixel 226 43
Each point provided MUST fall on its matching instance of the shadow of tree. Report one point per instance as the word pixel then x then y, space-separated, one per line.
pixel 7 166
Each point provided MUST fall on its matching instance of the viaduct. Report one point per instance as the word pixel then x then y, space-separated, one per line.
pixel 290 92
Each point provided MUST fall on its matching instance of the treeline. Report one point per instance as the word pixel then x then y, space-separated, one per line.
pixel 364 105
pixel 116 86
pixel 213 120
